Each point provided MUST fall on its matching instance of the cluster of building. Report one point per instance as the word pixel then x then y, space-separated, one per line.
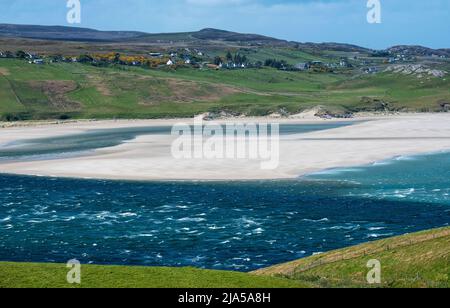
pixel 316 64
pixel 184 56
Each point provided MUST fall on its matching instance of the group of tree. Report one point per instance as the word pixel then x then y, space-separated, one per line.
pixel 118 59
pixel 20 54
pixel 380 54
pixel 237 58
pixel 278 64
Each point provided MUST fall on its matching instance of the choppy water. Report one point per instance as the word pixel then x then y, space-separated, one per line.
pixel 238 226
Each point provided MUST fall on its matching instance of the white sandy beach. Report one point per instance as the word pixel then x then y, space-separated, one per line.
pixel 149 157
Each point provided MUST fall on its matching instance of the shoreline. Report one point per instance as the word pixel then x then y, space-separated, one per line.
pixel 147 158
pixel 306 118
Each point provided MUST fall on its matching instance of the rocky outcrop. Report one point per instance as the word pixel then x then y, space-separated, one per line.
pixel 418 70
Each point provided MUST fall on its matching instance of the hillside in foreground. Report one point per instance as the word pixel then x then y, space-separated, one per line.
pixel 419 260
pixel 415 260
pixel 33 275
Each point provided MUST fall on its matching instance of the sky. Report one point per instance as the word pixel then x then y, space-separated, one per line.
pixel 412 22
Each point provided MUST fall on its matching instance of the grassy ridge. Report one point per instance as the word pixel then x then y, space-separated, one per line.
pixel 419 260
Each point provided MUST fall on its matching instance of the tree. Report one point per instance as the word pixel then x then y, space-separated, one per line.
pixel 229 57
pixel 218 60
pixel 85 59
pixel 237 59
pixel 117 58
pixel 21 54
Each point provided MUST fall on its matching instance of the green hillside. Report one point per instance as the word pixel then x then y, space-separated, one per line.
pixel 74 90
pixel 420 260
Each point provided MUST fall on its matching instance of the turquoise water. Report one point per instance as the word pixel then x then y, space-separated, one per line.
pixel 79 144
pixel 422 178
pixel 235 226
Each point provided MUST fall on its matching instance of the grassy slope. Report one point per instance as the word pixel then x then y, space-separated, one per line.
pixel 125 92
pixel 415 260
pixel 26 275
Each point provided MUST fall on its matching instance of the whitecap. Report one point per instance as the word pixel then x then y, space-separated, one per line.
pixel 190 219
pixel 315 221
pixel 347 227
pixel 216 228
pixel 382 163
pixel 249 221
pixel 259 230
pixel 376 228
pixel 405 158
pixel 145 235
pixel 8 218
pixel 375 235
pixel 128 214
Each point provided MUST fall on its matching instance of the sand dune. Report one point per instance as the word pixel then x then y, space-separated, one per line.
pixel 149 157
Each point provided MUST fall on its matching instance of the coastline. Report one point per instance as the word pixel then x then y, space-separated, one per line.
pixel 370 139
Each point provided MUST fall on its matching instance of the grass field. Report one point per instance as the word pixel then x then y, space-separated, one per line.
pixel 23 275
pixel 63 90
pixel 416 260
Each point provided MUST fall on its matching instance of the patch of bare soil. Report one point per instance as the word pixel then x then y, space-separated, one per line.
pixel 56 91
pixel 184 91
pixel 100 85
pixel 4 71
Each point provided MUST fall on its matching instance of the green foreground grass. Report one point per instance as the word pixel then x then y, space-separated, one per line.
pixel 35 275
pixel 415 260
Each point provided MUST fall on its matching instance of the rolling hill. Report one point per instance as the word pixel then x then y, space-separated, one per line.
pixel 61 33
pixel 204 36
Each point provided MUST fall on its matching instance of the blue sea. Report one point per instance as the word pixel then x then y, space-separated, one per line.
pixel 220 225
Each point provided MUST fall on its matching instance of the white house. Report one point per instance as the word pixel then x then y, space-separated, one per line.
pixel 36 61
pixel 170 63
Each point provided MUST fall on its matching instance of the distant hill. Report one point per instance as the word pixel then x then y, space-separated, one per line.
pixel 418 51
pixel 65 33
pixel 90 35
pixel 208 35
pixel 334 47
pixel 215 34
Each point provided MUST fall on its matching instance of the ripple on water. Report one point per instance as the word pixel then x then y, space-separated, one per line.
pixel 210 224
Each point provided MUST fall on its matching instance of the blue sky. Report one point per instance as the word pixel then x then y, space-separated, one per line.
pixel 422 22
